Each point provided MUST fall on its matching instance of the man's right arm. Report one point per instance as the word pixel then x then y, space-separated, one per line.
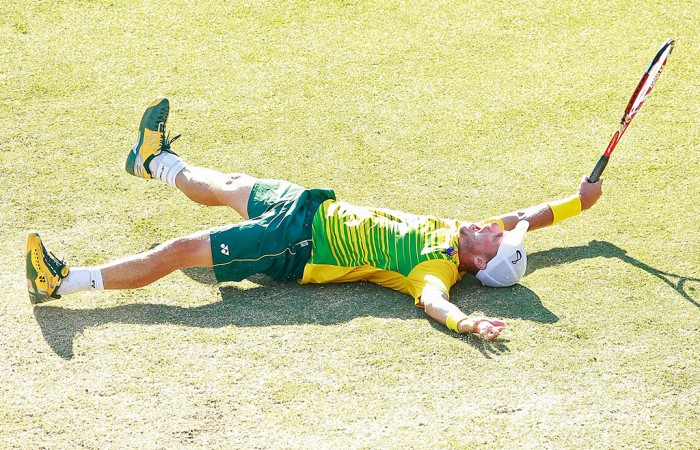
pixel 546 214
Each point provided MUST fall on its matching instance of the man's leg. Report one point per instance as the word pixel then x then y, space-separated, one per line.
pixel 142 269
pixel 151 157
pixel 49 278
pixel 145 268
pixel 212 188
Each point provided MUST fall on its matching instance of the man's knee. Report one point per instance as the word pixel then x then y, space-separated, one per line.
pixel 235 191
pixel 188 251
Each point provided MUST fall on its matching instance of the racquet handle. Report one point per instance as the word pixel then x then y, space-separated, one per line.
pixel 598 169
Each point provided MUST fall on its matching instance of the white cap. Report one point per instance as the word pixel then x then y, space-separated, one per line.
pixel 508 266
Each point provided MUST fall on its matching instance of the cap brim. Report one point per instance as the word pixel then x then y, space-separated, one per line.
pixel 514 237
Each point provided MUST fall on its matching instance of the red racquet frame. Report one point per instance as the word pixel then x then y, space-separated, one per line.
pixel 636 101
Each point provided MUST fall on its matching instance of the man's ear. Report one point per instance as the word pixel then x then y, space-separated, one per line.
pixel 479 262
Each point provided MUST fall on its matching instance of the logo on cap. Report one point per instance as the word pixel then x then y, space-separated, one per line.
pixel 518 257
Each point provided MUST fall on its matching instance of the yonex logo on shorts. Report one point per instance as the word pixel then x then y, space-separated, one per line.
pixel 224 249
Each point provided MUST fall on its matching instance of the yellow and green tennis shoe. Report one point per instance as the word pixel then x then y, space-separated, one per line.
pixel 151 140
pixel 45 272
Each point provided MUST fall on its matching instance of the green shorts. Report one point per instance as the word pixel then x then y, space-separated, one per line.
pixel 276 240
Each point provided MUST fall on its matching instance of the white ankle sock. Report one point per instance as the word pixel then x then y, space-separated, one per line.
pixel 81 279
pixel 166 166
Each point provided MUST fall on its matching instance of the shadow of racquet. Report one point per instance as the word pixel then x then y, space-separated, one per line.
pixel 687 287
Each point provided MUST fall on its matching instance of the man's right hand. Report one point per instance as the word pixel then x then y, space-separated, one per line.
pixel 589 193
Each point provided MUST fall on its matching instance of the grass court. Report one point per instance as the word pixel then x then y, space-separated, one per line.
pixel 461 109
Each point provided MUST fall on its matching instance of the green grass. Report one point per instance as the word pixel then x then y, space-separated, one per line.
pixel 459 109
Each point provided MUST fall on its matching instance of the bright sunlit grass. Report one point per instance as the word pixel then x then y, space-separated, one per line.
pixel 458 109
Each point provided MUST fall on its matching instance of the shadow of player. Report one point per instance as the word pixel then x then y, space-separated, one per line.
pixel 287 303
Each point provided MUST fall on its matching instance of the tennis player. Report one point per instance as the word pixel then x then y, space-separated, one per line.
pixel 294 233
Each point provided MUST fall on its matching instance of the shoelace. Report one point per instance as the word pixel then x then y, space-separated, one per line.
pixel 53 262
pixel 166 143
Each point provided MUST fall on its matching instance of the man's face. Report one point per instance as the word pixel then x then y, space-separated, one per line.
pixel 479 245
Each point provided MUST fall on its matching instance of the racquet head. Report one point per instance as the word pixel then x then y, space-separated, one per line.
pixel 648 79
pixel 640 94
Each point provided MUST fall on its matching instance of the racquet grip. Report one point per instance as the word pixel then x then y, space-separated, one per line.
pixel 598 169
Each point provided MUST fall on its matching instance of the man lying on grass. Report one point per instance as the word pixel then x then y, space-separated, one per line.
pixel 293 233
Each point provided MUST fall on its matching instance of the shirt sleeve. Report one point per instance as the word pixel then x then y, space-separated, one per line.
pixel 438 273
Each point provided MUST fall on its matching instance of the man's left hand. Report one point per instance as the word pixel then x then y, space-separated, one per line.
pixel 486 328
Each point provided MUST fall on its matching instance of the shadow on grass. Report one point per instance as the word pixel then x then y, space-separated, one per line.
pixel 288 303
pixel 687 287
pixel 272 303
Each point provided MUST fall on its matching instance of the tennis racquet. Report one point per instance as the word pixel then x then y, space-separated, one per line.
pixel 640 94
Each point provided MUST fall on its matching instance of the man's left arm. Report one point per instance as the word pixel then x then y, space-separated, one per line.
pixel 545 214
pixel 438 306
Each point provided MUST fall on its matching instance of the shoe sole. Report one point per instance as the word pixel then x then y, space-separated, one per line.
pixel 131 159
pixel 36 295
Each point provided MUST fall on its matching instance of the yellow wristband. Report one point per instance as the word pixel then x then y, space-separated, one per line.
pixel 453 321
pixel 489 221
pixel 565 208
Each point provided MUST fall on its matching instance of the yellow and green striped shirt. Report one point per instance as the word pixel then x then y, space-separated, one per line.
pixel 402 251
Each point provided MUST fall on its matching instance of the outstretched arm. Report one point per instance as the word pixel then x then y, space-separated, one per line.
pixel 544 215
pixel 438 306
